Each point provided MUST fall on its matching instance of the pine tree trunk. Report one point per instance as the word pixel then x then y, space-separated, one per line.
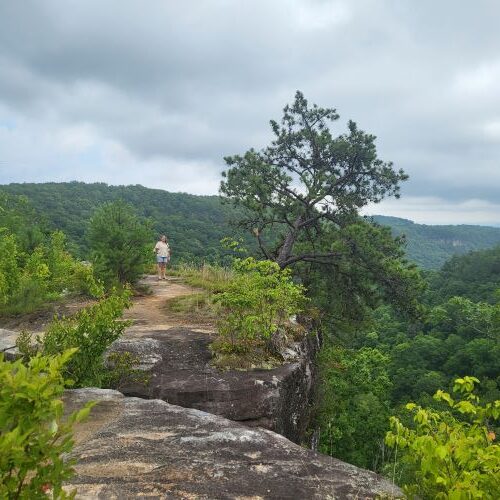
pixel 286 249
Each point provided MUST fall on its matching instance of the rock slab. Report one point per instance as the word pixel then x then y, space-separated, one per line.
pixel 132 448
pixel 177 365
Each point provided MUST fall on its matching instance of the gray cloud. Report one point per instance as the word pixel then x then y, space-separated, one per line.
pixel 159 92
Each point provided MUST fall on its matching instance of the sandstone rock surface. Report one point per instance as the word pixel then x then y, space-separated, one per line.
pixel 132 448
pixel 176 360
pixel 177 363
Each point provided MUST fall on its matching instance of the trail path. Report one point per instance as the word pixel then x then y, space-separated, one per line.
pixel 149 312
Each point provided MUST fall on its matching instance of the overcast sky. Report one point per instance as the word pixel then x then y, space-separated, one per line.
pixel 157 92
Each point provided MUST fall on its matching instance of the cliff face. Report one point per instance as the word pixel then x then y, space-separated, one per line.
pixel 132 447
pixel 179 372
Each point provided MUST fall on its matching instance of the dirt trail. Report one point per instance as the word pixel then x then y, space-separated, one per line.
pixel 149 313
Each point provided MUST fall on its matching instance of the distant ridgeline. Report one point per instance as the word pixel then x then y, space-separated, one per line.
pixel 196 224
pixel 431 246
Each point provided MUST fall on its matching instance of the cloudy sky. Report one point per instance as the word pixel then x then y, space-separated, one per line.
pixel 157 92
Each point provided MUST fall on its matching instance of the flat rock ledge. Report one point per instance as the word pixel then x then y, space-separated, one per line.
pixel 131 447
pixel 177 365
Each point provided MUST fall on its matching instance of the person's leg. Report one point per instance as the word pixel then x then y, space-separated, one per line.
pixel 158 264
pixel 163 270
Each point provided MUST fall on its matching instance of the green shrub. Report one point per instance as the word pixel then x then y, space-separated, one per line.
pixel 91 331
pixel 67 274
pixel 28 281
pixel 121 371
pixel 33 435
pixel 120 242
pixel 255 303
pixel 450 457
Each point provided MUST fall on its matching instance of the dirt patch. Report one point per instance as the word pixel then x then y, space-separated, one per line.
pixel 38 321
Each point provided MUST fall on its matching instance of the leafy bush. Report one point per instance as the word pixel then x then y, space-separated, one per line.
pixel 450 457
pixel 255 303
pixel 122 370
pixel 33 436
pixel 120 242
pixel 91 330
pixel 66 273
pixel 29 280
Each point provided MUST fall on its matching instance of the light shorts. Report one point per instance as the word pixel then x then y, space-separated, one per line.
pixel 161 260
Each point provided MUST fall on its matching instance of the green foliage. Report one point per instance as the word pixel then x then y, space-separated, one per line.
pixel 34 438
pixel 369 270
pixel 9 268
pixel 30 280
pixel 91 330
pixel 456 338
pixel 255 303
pixel 18 217
pixel 431 246
pixel 67 274
pixel 120 242
pixel 353 411
pixel 450 458
pixel 475 276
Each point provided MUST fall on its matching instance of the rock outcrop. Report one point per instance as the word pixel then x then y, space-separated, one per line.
pixel 132 447
pixel 177 365
pixel 8 344
pixel 161 445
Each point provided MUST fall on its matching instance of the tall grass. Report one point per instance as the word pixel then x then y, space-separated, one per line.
pixel 211 277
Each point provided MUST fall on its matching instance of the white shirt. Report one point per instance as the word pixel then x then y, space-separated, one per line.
pixel 162 249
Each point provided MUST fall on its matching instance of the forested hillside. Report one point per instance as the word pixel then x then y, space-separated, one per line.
pixel 196 224
pixel 431 246
pixel 371 374
pixel 475 276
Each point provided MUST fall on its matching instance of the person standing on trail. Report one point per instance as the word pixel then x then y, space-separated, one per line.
pixel 162 251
